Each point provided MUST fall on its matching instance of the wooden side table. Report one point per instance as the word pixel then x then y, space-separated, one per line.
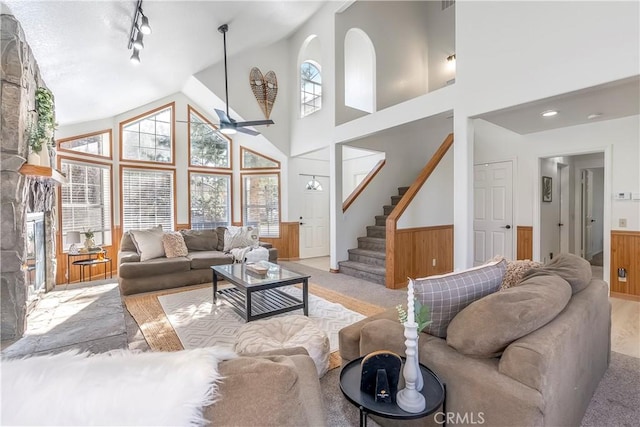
pixel 85 256
pixel 433 390
pixel 91 262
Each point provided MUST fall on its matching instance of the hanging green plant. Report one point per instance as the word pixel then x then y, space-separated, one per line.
pixel 46 115
pixel 35 137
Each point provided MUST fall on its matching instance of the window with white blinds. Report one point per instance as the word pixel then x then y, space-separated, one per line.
pixel 149 139
pixel 210 200
pixel 147 198
pixel 261 202
pixel 86 200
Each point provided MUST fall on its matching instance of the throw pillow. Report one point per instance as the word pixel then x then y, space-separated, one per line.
pixel 448 294
pixel 572 268
pixel 174 245
pixel 487 326
pixel 120 388
pixel 515 272
pixel 200 240
pixel 240 237
pixel 148 242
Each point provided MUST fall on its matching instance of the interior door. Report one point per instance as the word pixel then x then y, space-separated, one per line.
pixel 587 214
pixel 314 221
pixel 493 211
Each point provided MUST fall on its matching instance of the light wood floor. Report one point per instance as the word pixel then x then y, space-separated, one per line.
pixel 625 314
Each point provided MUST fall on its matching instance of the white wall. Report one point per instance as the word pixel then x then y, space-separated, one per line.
pixel 441 40
pixel 433 205
pixel 550 211
pixel 356 164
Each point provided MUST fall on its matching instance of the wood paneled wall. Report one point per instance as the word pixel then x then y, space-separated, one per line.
pixel 524 242
pixel 288 244
pixel 415 251
pixel 625 253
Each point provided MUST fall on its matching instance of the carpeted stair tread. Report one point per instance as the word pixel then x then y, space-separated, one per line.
pixel 363 271
pixel 381 219
pixel 387 209
pixel 372 243
pixel 402 190
pixel 368 256
pixel 395 200
pixel 377 231
pixel 369 253
pixel 363 267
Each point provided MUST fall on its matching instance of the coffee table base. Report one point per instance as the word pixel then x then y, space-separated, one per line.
pixel 260 304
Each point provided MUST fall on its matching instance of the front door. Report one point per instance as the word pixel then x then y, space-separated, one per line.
pixel 314 220
pixel 493 211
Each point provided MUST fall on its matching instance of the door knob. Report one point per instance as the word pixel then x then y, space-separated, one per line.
pixel 301 223
pixel 508 227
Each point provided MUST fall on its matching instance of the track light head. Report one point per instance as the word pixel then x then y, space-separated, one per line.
pixel 135 57
pixel 137 43
pixel 144 27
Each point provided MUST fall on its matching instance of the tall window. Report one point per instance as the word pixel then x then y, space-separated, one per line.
pixel 210 200
pixel 150 138
pixel 207 147
pixel 97 144
pixel 310 88
pixel 147 198
pixel 86 200
pixel 359 71
pixel 261 202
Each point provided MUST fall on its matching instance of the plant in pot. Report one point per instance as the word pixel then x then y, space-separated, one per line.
pixel 46 123
pixel 89 242
pixel 34 139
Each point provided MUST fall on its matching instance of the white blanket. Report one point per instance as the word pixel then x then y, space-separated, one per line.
pixel 250 254
pixel 120 388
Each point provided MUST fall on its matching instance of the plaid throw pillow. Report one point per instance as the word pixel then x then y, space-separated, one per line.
pixel 448 294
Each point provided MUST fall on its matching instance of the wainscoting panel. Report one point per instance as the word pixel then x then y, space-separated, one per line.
pixel 417 249
pixel 288 244
pixel 625 253
pixel 524 243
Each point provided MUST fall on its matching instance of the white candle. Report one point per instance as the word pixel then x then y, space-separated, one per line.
pixel 411 317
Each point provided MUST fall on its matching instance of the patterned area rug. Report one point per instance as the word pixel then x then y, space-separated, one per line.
pixel 186 318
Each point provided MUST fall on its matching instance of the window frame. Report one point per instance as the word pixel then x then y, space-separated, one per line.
pixel 61 233
pixel 172 109
pixel 242 166
pixel 243 201
pixel 61 149
pixel 154 169
pixel 302 82
pixel 202 117
pixel 226 174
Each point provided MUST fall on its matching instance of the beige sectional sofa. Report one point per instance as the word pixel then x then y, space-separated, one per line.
pixel 205 249
pixel 545 377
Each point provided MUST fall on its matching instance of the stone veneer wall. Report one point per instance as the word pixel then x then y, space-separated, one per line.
pixel 19 80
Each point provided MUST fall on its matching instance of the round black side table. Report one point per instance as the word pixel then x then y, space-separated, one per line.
pixel 434 392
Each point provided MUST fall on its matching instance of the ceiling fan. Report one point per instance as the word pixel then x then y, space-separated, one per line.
pixel 229 126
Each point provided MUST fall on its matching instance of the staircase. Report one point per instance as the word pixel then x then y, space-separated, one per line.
pixel 367 261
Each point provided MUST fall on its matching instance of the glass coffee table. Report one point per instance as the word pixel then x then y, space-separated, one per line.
pixel 255 295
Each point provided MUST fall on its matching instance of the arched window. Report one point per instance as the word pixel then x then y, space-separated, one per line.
pixel 310 88
pixel 359 71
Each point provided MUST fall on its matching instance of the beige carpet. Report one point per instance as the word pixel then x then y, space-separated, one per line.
pixel 147 311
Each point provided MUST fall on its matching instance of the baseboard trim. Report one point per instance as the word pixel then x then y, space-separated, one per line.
pixel 333 270
pixel 620 295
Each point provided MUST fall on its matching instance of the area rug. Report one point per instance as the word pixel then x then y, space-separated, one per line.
pixel 186 318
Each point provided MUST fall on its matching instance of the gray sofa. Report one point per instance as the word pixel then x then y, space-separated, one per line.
pixel 205 250
pixel 544 378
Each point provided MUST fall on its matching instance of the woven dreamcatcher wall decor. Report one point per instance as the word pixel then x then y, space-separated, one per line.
pixel 264 88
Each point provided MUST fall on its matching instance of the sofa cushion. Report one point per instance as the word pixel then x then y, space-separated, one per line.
pixel 240 237
pixel 487 326
pixel 200 240
pixel 126 243
pixel 148 242
pixel 205 259
pixel 174 245
pixel 154 267
pixel 572 268
pixel 515 272
pixel 220 231
pixel 448 294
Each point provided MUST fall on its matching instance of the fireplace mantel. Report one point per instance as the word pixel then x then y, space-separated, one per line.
pixel 43 172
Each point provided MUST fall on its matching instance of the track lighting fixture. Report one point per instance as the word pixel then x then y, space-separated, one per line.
pixel 139 27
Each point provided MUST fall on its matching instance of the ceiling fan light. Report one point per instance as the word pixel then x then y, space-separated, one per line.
pixel 145 28
pixel 135 57
pixel 227 130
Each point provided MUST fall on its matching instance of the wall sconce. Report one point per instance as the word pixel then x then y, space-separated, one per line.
pixel 451 60
pixel 139 27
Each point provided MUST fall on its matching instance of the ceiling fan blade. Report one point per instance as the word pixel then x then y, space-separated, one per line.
pixel 255 123
pixel 247 131
pixel 223 116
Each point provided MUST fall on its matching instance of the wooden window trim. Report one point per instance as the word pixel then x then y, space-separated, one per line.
pixel 243 149
pixel 190 110
pixel 209 172
pixel 60 149
pixel 172 107
pixel 242 202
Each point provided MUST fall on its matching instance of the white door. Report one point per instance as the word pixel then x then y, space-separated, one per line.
pixel 493 211
pixel 587 214
pixel 314 219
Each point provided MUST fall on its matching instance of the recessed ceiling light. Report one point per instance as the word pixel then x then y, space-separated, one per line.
pixel 594 116
pixel 549 113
